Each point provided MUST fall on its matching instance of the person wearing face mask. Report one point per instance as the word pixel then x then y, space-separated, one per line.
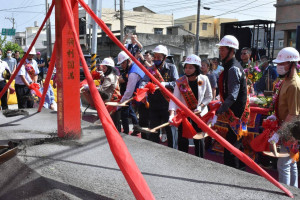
pixel 132 76
pixel 234 110
pixel 194 90
pixel 27 75
pixel 4 75
pixel 166 74
pixel 12 62
pixel 287 109
pixel 289 93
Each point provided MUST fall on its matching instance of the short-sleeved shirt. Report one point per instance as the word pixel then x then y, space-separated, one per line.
pixel 12 62
pixel 289 98
pixel 3 67
pixel 218 71
pixel 24 72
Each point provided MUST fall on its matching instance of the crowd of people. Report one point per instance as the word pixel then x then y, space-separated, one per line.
pixel 28 81
pixel 194 82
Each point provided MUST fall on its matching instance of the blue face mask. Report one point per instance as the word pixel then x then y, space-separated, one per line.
pixel 157 62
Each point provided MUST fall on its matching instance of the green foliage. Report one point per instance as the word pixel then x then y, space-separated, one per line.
pixel 2 41
pixel 13 47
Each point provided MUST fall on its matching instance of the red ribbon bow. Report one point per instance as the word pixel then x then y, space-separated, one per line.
pixel 187 129
pixel 95 75
pixel 140 93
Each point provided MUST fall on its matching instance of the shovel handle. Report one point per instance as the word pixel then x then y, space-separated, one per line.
pixel 128 100
pixel 160 126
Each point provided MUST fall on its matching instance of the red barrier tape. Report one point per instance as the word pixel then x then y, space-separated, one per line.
pixel 48 78
pixel 243 157
pixel 125 161
pixel 26 54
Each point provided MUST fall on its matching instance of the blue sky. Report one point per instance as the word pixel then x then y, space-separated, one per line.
pixel 26 12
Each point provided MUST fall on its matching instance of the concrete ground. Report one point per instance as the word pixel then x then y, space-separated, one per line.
pixel 51 168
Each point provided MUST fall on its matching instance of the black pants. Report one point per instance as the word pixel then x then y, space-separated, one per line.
pixel 230 159
pixel 116 117
pixel 4 97
pixel 127 112
pixel 183 143
pixel 156 118
pixel 24 96
pixel 143 119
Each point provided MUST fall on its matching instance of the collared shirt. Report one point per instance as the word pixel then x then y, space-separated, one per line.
pixel 12 62
pixel 23 72
pixel 3 67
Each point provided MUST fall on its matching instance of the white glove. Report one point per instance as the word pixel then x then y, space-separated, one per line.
pixel 171 118
pixel 101 73
pixel 86 87
pixel 198 109
pixel 274 138
pixel 163 83
pixel 213 120
pixel 272 117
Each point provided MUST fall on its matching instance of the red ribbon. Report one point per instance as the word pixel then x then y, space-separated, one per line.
pixel 118 147
pixel 95 75
pixel 188 130
pixel 35 87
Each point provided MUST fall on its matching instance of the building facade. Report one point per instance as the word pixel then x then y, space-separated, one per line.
pixel 209 25
pixel 287 20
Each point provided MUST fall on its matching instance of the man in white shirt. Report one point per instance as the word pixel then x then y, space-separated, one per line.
pixel 4 74
pixel 27 75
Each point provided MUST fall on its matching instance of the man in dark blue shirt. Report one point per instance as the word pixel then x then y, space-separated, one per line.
pixel 269 75
pixel 41 64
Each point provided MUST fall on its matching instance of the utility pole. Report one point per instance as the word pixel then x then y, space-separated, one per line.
pixel 12 20
pixel 97 8
pixel 48 32
pixel 198 28
pixel 121 21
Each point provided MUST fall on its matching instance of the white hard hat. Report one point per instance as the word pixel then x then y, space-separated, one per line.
pixel 229 41
pixel 108 62
pixel 287 54
pixel 161 49
pixel 122 57
pixel 193 60
pixel 32 52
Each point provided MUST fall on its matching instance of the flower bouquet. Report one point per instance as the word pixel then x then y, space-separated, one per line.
pixel 253 73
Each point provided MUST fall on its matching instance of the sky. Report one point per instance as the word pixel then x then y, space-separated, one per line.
pixel 25 12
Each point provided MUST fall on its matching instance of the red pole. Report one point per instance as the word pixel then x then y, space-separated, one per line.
pixel 67 72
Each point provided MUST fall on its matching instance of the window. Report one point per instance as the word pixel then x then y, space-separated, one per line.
pixel 109 26
pixel 204 26
pixel 130 29
pixel 169 31
pixel 82 26
pixel 190 26
pixel 158 31
pixel 280 43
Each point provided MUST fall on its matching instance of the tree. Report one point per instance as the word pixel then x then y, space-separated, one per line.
pixel 2 41
pixel 13 47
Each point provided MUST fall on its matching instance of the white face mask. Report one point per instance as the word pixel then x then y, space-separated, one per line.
pixel 0 56
pixel 281 70
pixel 9 55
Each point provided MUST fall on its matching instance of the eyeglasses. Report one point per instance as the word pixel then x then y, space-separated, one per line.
pixel 244 53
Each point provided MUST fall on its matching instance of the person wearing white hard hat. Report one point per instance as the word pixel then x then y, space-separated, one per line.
pixel 235 108
pixel 131 77
pixel 27 75
pixel 194 90
pixel 287 108
pixel 166 74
